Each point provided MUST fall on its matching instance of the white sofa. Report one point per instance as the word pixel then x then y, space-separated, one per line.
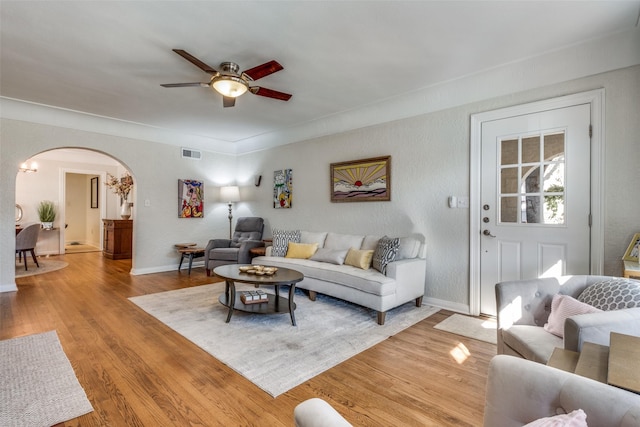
pixel 403 281
pixel 520 392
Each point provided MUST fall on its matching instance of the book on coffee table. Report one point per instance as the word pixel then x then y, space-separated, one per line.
pixel 253 297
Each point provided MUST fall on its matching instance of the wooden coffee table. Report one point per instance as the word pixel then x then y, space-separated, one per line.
pixel 275 304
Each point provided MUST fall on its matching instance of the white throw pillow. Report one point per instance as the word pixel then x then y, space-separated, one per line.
pixel 332 256
pixel 575 418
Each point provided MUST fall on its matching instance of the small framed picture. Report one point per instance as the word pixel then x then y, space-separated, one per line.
pixel 632 251
pixel 94 192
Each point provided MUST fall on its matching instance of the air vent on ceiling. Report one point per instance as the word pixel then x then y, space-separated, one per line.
pixel 191 154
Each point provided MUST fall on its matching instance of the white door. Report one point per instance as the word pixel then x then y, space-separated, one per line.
pixel 535 198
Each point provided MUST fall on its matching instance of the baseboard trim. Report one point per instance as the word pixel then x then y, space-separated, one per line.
pixel 165 268
pixel 448 305
pixel 8 287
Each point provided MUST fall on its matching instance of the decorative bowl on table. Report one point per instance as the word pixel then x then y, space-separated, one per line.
pixel 245 268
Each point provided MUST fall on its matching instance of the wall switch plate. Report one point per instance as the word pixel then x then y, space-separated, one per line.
pixel 147 202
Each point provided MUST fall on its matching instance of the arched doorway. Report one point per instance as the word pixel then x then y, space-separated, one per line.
pixel 73 178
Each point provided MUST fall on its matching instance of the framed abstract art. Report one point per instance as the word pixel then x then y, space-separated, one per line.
pixel 190 198
pixel 366 180
pixel 282 188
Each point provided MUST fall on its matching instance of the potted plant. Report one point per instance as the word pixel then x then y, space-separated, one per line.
pixel 47 214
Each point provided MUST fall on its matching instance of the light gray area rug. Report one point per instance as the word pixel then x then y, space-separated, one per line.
pixel 267 349
pixel 46 266
pixel 471 327
pixel 38 386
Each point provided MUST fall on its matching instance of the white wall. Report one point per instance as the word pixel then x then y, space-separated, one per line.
pixel 430 161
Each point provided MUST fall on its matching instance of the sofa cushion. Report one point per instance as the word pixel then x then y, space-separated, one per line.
pixel 369 281
pixel 342 241
pixel 313 237
pixel 332 256
pixel 301 250
pixel 359 258
pixel 385 253
pixel 281 239
pixel 370 243
pixel 562 307
pixel 532 342
pixel 614 294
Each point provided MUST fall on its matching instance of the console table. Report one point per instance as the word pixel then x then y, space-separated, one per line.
pixel 118 237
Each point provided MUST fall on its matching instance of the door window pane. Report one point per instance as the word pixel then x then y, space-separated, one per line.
pixel 531 149
pixel 509 180
pixel 509 209
pixel 509 152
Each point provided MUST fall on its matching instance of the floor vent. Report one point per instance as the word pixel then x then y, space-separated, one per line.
pixel 191 154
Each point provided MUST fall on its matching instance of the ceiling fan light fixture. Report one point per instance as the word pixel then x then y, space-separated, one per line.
pixel 230 86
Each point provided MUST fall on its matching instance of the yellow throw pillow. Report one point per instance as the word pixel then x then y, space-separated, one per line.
pixel 359 258
pixel 301 250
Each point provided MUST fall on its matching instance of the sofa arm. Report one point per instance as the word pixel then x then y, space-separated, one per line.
pixel 317 413
pixel 410 276
pixel 596 327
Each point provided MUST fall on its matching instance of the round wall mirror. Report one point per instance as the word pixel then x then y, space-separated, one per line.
pixel 18 212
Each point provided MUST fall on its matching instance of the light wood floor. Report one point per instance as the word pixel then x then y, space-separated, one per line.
pixel 138 372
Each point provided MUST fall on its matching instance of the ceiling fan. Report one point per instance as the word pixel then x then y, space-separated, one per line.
pixel 230 82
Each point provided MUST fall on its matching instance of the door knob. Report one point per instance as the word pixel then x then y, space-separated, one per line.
pixel 488 233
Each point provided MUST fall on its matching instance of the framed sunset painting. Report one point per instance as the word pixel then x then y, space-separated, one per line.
pixel 366 180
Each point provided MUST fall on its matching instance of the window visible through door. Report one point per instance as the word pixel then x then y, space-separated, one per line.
pixel 532 179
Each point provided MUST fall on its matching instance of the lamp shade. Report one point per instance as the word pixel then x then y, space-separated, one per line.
pixel 230 194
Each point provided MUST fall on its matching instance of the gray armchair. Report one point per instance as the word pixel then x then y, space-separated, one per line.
pixel 26 242
pixel 247 235
pixel 523 309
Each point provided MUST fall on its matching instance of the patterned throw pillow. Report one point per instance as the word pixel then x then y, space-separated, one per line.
pixel 281 239
pixel 614 294
pixel 385 253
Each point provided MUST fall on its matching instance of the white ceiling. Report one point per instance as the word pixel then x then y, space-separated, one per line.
pixel 109 58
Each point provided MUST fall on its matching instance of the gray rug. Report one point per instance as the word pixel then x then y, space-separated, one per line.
pixel 39 386
pixel 471 327
pixel 46 266
pixel 267 349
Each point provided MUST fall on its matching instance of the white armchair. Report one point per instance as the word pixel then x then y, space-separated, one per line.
pixel 523 309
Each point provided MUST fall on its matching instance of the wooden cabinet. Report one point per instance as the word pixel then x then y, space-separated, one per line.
pixel 118 235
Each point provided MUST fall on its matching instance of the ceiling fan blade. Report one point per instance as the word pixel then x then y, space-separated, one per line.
pixel 195 61
pixel 228 101
pixel 263 70
pixel 185 84
pixel 270 93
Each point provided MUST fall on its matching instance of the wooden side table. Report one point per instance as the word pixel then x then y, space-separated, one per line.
pixel 189 252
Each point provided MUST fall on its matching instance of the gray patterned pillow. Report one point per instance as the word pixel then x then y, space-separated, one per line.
pixel 614 294
pixel 385 253
pixel 281 239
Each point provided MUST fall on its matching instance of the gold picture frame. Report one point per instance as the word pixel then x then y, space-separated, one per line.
pixel 366 180
pixel 634 248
